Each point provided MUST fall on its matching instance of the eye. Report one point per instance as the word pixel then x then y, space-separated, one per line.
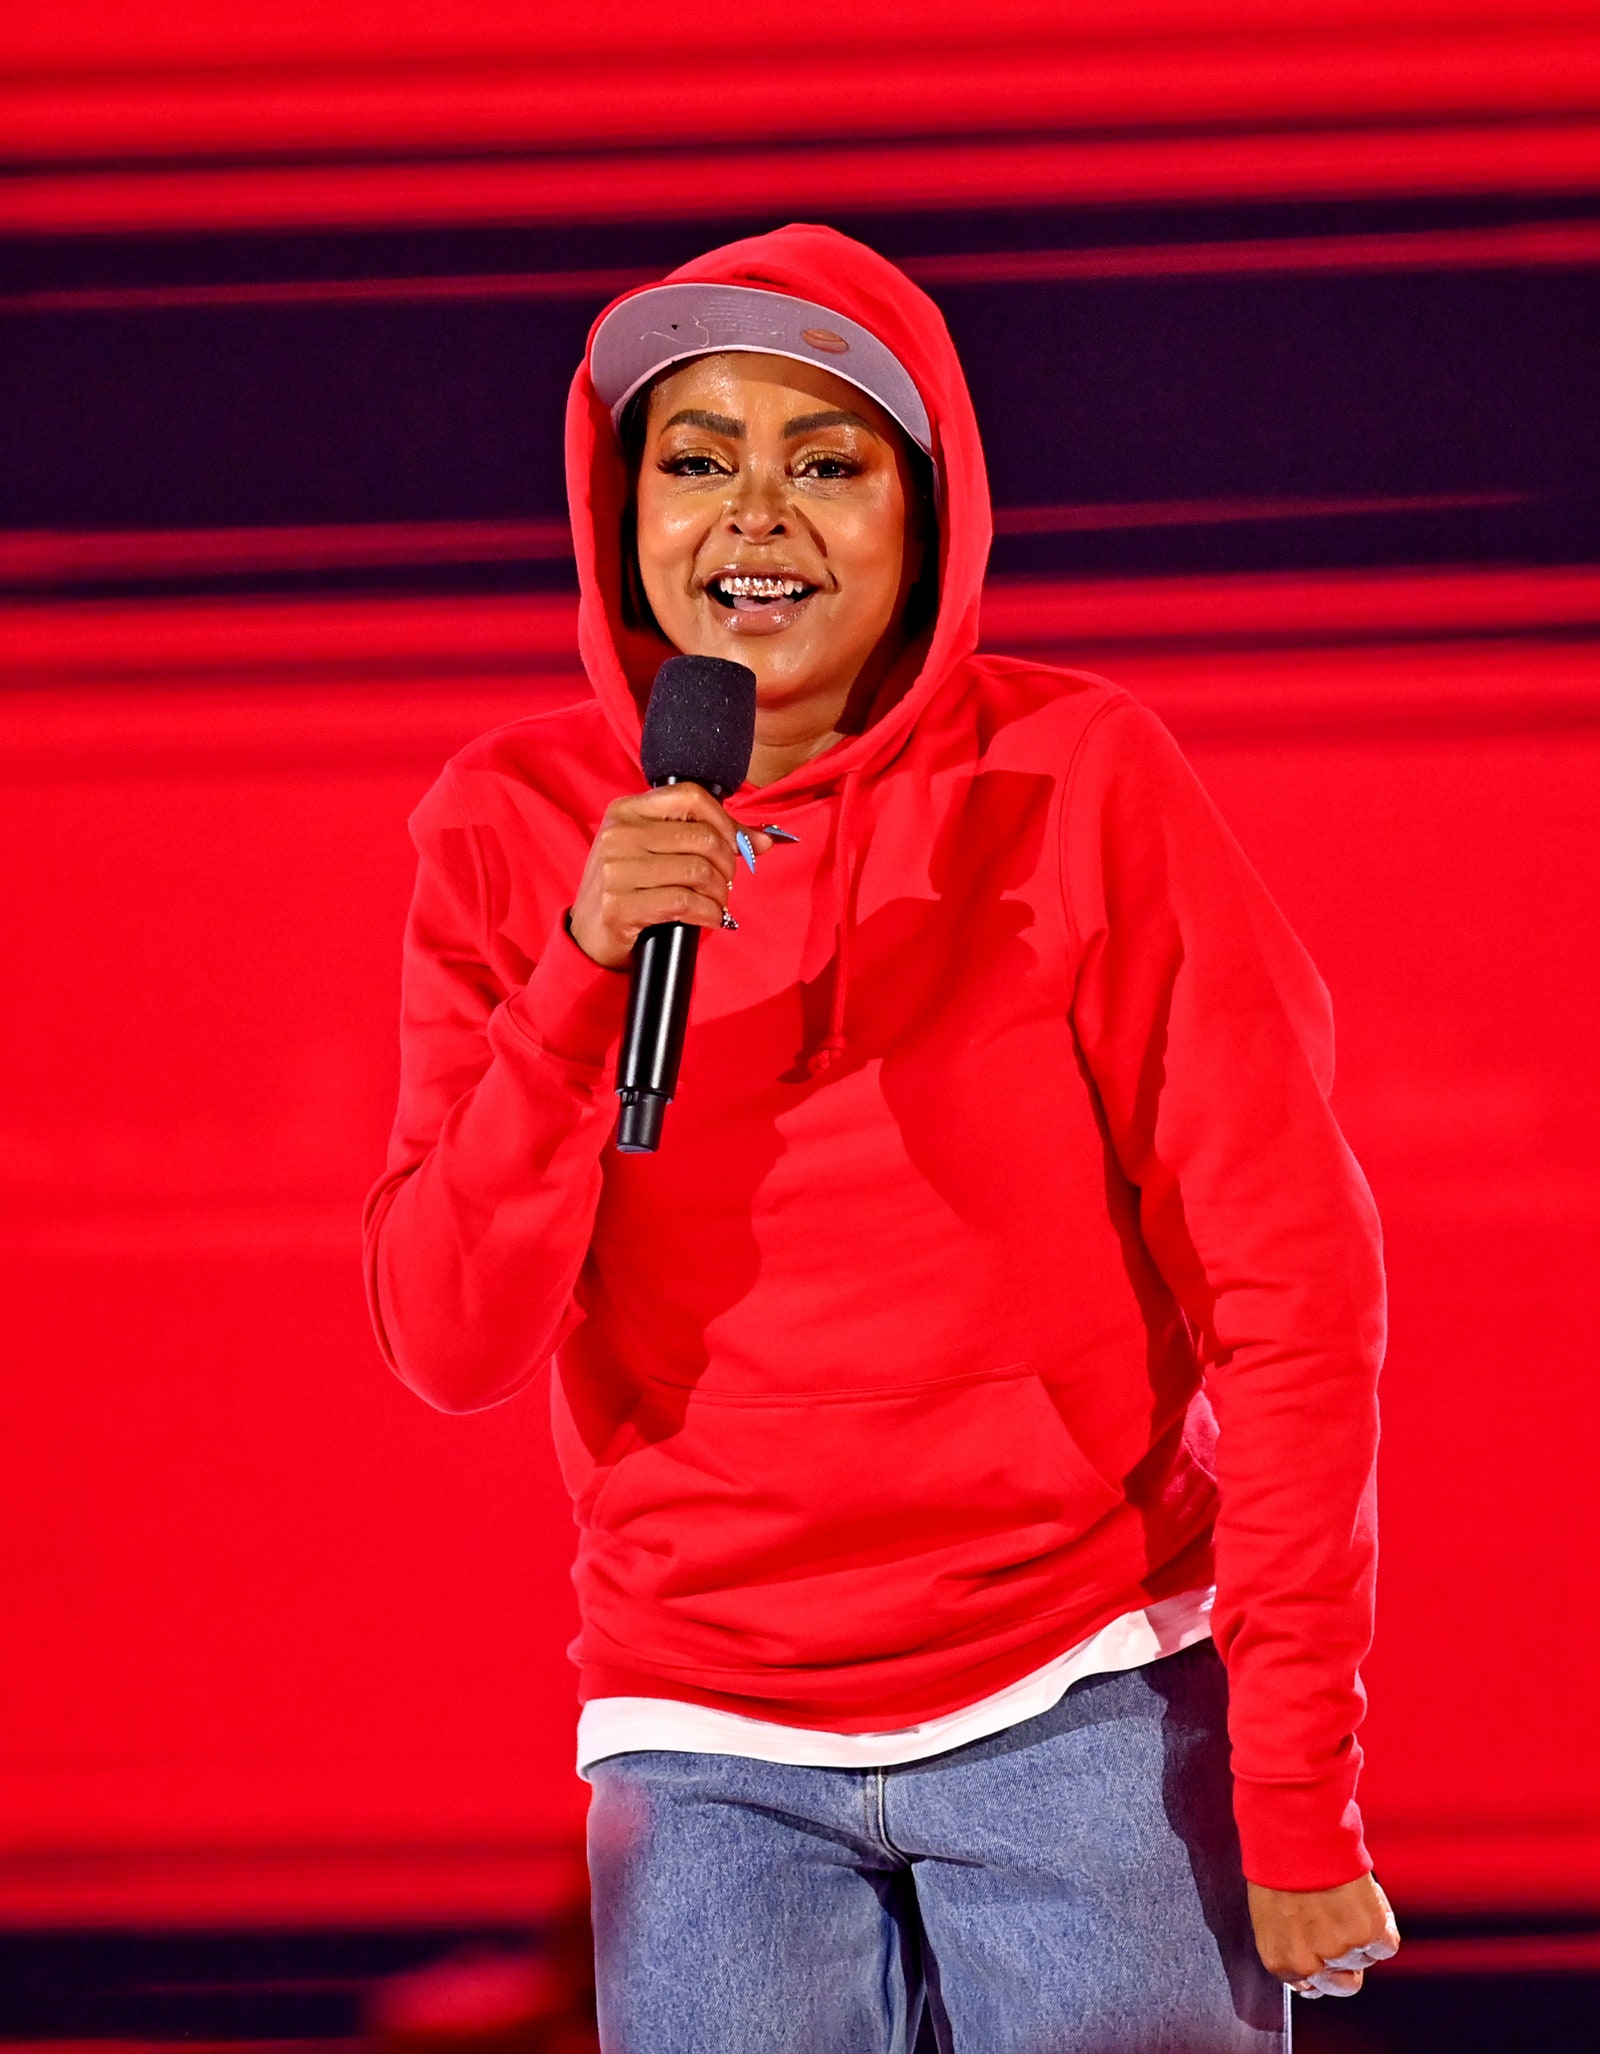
pixel 828 466
pixel 692 464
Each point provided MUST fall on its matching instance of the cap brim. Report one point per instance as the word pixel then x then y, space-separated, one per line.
pixel 669 324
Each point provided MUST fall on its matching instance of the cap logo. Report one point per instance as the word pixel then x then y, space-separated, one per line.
pixel 828 339
pixel 697 335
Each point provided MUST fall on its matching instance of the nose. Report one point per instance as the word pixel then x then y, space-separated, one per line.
pixel 757 510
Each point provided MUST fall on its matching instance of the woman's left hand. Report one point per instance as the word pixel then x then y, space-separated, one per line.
pixel 1321 1942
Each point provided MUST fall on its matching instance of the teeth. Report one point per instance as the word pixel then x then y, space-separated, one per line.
pixel 760 588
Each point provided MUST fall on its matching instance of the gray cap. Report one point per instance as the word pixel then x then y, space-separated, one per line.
pixel 671 323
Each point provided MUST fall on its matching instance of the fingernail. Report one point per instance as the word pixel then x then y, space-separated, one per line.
pixel 780 834
pixel 745 848
pixel 729 921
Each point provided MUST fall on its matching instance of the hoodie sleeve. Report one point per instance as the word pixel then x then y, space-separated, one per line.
pixel 1208 1035
pixel 477 1231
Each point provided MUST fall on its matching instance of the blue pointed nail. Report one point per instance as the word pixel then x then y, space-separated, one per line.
pixel 746 850
pixel 780 834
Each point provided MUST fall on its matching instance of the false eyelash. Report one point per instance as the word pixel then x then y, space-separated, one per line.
pixel 676 466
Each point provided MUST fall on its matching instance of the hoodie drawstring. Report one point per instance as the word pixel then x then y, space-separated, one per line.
pixel 832 1046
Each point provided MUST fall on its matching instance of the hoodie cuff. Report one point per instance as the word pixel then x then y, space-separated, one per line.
pixel 571 1007
pixel 1301 1836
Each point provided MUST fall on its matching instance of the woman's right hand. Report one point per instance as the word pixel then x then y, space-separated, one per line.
pixel 668 854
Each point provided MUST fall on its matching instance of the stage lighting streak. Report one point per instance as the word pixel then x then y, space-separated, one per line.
pixel 1481 157
pixel 1074 73
pixel 523 1874
pixel 289 723
pixel 533 637
pixel 1268 606
pixel 53 557
pixel 598 286
pixel 387 639
pixel 1105 516
pixel 43 558
pixel 1397 693
pixel 1519 246
pixel 1499 1954
pixel 1529 245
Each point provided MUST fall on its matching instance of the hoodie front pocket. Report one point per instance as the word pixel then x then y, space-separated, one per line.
pixel 825 1526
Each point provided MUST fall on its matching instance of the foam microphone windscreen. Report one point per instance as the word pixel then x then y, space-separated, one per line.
pixel 700 725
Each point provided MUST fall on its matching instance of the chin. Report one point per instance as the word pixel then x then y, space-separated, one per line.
pixel 783 673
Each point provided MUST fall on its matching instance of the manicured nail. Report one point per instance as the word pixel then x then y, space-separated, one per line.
pixel 780 834
pixel 729 921
pixel 746 849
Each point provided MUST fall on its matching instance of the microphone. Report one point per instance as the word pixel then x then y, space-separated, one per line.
pixel 699 728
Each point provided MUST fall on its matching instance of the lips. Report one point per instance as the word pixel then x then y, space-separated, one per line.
pixel 759 602
pixel 749 591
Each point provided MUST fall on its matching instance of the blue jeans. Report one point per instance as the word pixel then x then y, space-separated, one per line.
pixel 1071 1884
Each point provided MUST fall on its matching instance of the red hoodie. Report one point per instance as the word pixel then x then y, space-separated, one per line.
pixel 1002 1120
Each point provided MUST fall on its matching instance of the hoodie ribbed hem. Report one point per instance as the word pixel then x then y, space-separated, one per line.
pixel 571 1007
pixel 1301 1836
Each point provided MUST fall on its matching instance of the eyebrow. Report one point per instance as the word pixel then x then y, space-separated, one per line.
pixel 697 417
pixel 834 417
pixel 802 424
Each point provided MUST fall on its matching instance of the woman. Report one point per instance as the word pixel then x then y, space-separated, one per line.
pixel 908 1540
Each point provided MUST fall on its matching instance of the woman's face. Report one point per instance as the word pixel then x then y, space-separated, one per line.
pixel 772 525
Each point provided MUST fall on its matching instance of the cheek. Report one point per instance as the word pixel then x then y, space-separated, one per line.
pixel 667 533
pixel 869 551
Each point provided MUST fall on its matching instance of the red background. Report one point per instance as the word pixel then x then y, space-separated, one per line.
pixel 277 1639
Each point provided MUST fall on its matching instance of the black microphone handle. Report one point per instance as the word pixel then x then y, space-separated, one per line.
pixel 660 981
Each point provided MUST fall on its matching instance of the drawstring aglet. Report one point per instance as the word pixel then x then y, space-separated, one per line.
pixel 823 1058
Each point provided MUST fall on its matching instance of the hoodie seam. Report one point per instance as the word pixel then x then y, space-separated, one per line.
pixel 480 877
pixel 1069 794
pixel 711 1677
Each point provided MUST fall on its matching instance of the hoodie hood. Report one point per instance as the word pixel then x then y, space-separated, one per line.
pixel 830 270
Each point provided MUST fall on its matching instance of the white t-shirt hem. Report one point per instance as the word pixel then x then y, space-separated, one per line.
pixel 639 1725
